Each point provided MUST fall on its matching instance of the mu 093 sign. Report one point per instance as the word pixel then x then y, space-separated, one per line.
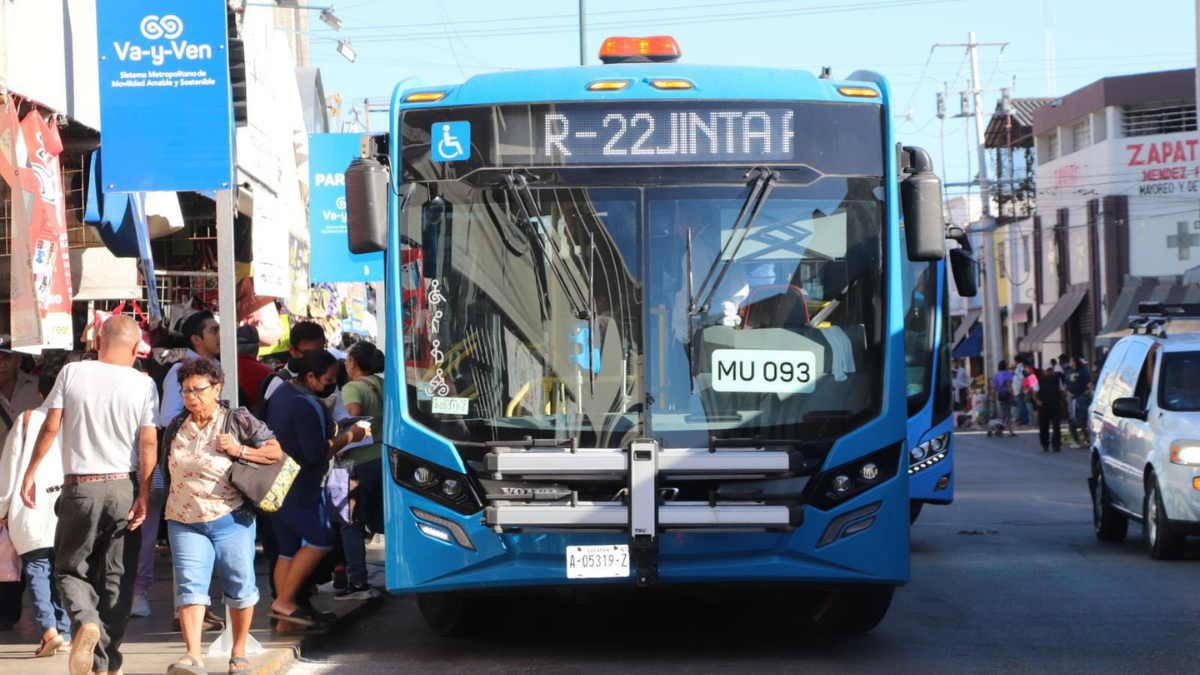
pixel 764 371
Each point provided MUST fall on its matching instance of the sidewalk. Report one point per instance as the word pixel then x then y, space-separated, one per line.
pixel 150 645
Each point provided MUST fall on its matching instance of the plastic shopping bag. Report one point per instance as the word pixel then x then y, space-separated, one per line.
pixel 10 562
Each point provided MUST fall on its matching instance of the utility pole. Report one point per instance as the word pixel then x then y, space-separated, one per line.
pixel 583 32
pixel 992 343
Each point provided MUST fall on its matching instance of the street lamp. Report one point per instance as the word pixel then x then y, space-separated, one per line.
pixel 329 19
pixel 345 50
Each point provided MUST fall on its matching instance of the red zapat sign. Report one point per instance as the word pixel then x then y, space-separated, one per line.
pixel 41 266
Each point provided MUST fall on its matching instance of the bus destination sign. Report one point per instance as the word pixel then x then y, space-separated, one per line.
pixel 658 135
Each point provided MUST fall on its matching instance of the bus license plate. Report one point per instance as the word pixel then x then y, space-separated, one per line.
pixel 764 371
pixel 597 562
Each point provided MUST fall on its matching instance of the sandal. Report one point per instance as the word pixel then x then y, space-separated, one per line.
pixel 187 665
pixel 300 617
pixel 239 665
pixel 50 647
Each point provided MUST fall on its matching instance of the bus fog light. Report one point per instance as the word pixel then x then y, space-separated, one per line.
pixel 842 484
pixel 435 532
pixel 869 471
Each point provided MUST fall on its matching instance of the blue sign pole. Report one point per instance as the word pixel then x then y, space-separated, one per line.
pixel 330 259
pixel 165 105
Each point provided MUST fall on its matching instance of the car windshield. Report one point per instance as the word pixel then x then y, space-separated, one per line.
pixel 1180 390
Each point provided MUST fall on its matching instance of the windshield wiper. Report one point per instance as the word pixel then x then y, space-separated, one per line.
pixel 764 182
pixel 519 188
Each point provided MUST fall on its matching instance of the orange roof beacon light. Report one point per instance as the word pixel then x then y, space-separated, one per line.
pixel 608 85
pixel 656 49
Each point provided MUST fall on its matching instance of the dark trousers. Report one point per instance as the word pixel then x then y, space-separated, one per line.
pixel 1077 431
pixel 95 564
pixel 1050 426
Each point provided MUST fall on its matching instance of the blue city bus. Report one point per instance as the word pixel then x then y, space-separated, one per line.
pixel 648 331
pixel 930 404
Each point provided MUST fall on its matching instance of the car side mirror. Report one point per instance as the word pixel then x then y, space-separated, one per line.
pixel 1129 407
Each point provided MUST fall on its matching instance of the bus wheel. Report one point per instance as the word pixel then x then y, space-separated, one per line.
pixel 853 610
pixel 914 510
pixel 447 615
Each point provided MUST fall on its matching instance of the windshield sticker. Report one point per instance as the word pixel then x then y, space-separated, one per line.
pixel 444 405
pixel 764 371
pixel 524 374
pixel 437 384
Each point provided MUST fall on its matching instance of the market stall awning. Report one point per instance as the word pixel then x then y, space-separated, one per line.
pixel 1148 290
pixel 964 328
pixel 1020 312
pixel 972 346
pixel 1054 319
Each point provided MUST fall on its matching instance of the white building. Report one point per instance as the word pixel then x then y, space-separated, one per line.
pixel 1118 204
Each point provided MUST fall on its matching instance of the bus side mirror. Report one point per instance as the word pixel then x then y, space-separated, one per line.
pixel 921 203
pixel 956 234
pixel 368 187
pixel 965 271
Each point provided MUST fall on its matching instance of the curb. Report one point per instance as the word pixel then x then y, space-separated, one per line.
pixel 289 655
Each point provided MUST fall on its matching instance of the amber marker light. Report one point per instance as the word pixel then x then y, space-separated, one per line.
pixel 1196 482
pixel 425 97
pixel 672 84
pixel 608 85
pixel 858 92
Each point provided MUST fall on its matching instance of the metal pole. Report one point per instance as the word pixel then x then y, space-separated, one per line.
pixel 992 345
pixel 583 32
pixel 227 290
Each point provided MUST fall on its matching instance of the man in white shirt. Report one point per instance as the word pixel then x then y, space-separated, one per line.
pixel 107 412
pixel 961 382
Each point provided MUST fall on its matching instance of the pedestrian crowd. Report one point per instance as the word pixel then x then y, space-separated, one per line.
pixel 1027 396
pixel 100 463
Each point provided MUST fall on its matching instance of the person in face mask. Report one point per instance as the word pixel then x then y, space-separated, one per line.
pixel 302 529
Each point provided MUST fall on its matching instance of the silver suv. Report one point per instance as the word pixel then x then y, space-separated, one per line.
pixel 1145 429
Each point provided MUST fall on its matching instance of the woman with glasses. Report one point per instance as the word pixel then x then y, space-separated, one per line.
pixel 207 519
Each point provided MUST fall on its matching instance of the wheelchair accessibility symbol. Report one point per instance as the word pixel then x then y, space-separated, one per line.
pixel 451 141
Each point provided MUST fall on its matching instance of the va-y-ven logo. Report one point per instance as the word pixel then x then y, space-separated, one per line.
pixel 168 27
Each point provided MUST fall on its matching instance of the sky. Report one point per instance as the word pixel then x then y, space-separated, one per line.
pixel 448 41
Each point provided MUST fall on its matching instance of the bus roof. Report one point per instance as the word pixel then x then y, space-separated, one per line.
pixel 711 82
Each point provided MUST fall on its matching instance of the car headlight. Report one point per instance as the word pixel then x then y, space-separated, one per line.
pixel 1186 452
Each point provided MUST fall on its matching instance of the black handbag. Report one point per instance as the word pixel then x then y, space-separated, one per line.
pixel 265 486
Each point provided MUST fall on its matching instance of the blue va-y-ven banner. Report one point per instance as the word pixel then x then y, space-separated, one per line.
pixel 331 260
pixel 166 116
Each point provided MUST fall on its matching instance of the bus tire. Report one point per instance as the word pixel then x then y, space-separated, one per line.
pixel 914 510
pixel 854 610
pixel 1109 523
pixel 1162 542
pixel 448 615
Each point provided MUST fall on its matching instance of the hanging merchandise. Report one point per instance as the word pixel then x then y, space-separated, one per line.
pixel 41 265
pixel 99 316
pixel 258 311
pixel 110 213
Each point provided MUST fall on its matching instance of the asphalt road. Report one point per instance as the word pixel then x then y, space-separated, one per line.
pixel 1008 579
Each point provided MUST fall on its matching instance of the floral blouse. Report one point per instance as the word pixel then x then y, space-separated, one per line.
pixel 200 491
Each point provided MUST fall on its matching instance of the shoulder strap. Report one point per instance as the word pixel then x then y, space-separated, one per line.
pixel 371 383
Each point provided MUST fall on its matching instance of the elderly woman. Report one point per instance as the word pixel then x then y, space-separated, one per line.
pixel 207 519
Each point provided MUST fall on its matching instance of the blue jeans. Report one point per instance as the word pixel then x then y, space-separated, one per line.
pixel 48 609
pixel 369 515
pixel 229 542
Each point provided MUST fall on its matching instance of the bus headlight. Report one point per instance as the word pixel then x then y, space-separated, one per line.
pixel 840 483
pixel 928 453
pixel 444 486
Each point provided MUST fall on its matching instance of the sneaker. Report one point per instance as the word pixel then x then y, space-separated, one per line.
pixel 327 587
pixel 353 592
pixel 141 606
pixel 1045 448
